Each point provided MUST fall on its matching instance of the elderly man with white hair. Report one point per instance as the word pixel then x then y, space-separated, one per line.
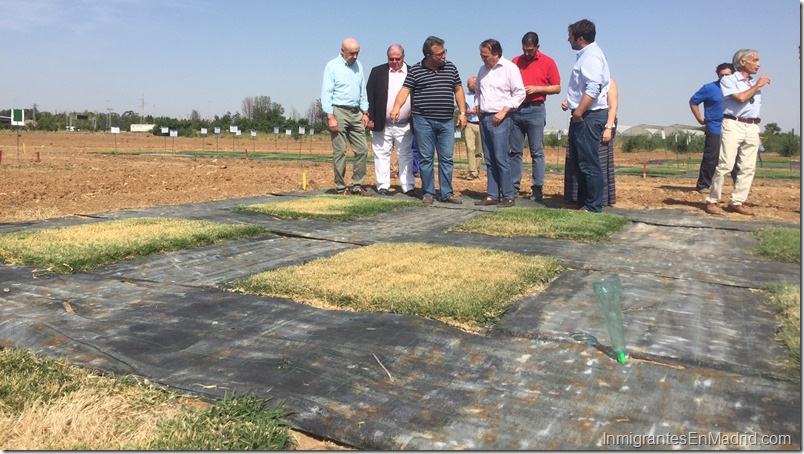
pixel 739 135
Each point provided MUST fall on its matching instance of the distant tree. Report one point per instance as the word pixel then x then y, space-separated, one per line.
pixel 266 112
pixel 772 128
pixel 315 115
pixel 195 116
pixel 247 107
pixel 294 114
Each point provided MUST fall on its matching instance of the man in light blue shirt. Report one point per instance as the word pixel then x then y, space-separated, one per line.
pixel 739 134
pixel 343 99
pixel 588 101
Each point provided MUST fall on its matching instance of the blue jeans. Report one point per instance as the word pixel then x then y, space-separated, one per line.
pixel 495 149
pixel 584 140
pixel 432 135
pixel 528 121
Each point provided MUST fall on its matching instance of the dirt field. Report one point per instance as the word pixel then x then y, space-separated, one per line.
pixel 72 179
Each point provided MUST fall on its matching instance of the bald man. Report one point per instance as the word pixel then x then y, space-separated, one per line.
pixel 343 99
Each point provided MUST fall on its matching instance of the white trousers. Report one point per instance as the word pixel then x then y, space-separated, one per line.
pixel 382 142
pixel 736 139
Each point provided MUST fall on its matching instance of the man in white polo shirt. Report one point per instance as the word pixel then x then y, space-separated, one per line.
pixel 739 134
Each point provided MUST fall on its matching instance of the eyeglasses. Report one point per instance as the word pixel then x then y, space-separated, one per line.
pixel 440 54
pixel 394 59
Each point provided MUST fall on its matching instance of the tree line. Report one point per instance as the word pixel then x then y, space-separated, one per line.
pixel 257 113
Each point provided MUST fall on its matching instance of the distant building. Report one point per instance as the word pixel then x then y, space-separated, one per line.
pixel 669 131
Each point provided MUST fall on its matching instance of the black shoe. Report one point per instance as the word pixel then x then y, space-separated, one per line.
pixel 383 191
pixel 410 193
pixel 536 193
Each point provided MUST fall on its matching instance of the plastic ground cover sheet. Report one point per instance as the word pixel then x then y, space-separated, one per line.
pixel 702 363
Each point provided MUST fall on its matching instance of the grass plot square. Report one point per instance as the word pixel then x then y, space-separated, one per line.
pixel 83 248
pixel 331 207
pixel 467 287
pixel 546 223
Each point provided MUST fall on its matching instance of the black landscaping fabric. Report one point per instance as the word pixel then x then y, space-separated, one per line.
pixel 700 337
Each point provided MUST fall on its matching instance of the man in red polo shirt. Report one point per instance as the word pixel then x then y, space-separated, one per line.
pixel 541 78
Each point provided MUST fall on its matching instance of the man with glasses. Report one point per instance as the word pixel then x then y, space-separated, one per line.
pixel 541 78
pixel 434 86
pixel 343 99
pixel 383 85
pixel 712 99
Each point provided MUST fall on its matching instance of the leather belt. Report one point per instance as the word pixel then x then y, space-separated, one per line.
pixel 528 104
pixel 753 121
pixel 349 108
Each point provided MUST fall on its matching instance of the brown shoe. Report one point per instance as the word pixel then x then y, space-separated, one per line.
pixel 452 199
pixel 713 208
pixel 488 201
pixel 358 190
pixel 505 203
pixel 427 200
pixel 739 209
pixel 583 209
pixel 472 177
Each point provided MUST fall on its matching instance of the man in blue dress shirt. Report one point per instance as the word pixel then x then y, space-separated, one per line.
pixel 344 100
pixel 587 99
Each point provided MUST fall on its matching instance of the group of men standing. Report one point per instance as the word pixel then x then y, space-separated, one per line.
pixel 505 105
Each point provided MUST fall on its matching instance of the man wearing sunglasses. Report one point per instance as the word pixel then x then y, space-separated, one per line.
pixel 383 85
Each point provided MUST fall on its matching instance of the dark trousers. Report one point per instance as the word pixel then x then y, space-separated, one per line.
pixel 711 154
pixel 584 140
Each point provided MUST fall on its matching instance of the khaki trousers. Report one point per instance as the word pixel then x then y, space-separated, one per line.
pixel 737 140
pixel 351 131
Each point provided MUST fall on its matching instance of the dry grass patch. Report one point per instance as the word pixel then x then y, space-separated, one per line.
pixel 467 287
pixel 786 299
pixel 332 207
pixel 51 405
pixel 547 223
pixel 85 247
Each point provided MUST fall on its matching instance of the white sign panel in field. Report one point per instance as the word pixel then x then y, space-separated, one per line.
pixel 17 117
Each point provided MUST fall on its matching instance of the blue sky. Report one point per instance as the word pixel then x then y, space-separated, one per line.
pixel 180 55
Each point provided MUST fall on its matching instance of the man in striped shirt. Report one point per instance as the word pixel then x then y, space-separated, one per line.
pixel 435 86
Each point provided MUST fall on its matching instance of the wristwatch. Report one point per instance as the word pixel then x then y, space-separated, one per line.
pixel 608 127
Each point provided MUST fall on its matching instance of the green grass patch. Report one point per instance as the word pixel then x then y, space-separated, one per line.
pixel 671 170
pixel 85 247
pixel 779 243
pixel 786 299
pixel 331 207
pixel 47 404
pixel 466 287
pixel 547 223
pixel 244 423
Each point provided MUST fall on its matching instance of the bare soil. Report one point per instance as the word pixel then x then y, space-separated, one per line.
pixel 46 175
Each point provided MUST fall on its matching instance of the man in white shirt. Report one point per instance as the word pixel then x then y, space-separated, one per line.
pixel 739 133
pixel 587 99
pixel 383 85
pixel 499 92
